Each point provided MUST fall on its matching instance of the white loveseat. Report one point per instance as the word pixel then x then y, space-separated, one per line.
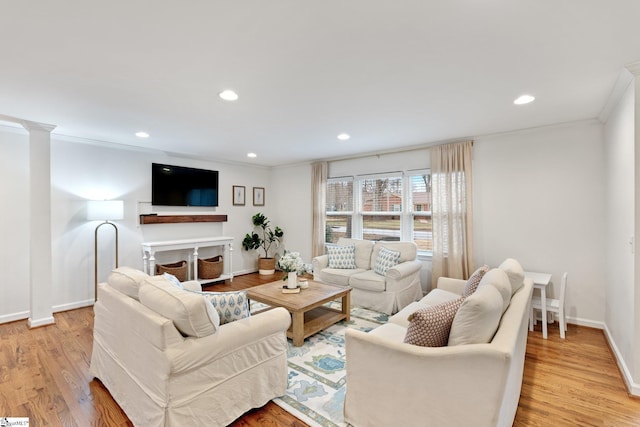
pixel 160 377
pixel 384 293
pixel 394 383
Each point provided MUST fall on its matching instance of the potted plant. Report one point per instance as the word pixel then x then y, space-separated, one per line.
pixel 263 237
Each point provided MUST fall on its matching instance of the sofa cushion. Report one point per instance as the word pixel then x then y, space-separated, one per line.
pixel 127 280
pixel 474 281
pixel 408 250
pixel 368 280
pixel 515 272
pixel 230 306
pixel 499 280
pixel 363 251
pixel 342 257
pixel 401 318
pixel 337 276
pixel 190 312
pixel 390 332
pixel 477 318
pixel 385 259
pixel 429 327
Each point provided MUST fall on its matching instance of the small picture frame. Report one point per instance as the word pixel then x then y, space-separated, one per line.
pixel 239 195
pixel 258 196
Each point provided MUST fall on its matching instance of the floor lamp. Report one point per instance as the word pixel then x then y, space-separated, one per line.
pixel 103 210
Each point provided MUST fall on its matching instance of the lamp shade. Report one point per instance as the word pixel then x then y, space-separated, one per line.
pixel 105 210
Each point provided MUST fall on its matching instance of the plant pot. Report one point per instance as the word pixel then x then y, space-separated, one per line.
pixel 266 266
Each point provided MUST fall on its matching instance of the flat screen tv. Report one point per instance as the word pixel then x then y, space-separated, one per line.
pixel 182 186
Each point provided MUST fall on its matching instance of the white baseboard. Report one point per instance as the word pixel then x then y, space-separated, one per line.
pixel 632 387
pixel 12 317
pixel 585 322
pixel 73 305
pixel 34 323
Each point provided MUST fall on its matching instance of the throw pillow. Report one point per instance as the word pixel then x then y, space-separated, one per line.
pixel 230 306
pixel 515 272
pixel 127 280
pixel 430 326
pixel 191 313
pixel 173 280
pixel 499 280
pixel 342 257
pixel 477 318
pixel 386 259
pixel 474 281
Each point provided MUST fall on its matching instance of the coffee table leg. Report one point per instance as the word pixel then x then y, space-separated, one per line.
pixel 346 306
pixel 297 328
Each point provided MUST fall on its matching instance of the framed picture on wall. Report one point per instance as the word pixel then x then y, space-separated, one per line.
pixel 238 195
pixel 258 196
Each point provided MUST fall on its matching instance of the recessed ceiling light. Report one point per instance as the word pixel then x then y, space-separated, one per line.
pixel 228 95
pixel 524 99
pixel 344 136
pixel 252 155
pixel 142 134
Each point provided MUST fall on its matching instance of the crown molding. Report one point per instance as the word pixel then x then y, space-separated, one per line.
pixel 27 124
pixel 634 68
pixel 625 77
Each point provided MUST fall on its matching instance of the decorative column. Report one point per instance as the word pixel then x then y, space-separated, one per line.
pixel 40 265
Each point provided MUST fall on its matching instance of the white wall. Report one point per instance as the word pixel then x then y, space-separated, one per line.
pixel 14 225
pixel 538 198
pixel 619 202
pixel 293 206
pixel 80 172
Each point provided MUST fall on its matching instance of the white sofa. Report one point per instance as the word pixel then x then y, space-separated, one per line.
pixel 387 294
pixel 160 377
pixel 394 383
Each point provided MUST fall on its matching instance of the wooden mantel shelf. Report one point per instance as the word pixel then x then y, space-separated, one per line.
pixel 175 219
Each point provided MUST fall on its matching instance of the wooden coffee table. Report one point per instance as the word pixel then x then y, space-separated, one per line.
pixel 309 315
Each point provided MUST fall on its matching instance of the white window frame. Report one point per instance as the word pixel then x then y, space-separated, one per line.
pixel 407 214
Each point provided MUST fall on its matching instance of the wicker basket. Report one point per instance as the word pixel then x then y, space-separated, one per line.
pixel 178 269
pixel 210 268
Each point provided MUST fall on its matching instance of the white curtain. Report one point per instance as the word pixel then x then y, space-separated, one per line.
pixel 452 210
pixel 319 196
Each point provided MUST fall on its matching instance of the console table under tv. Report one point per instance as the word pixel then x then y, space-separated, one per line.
pixel 149 250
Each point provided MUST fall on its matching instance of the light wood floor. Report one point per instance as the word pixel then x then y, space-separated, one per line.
pixel 44 375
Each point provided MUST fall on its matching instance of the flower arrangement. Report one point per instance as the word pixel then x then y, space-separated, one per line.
pixel 291 261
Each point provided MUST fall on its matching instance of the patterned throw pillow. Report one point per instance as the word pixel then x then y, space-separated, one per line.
pixel 229 305
pixel 173 279
pixel 430 326
pixel 342 257
pixel 385 260
pixel 474 281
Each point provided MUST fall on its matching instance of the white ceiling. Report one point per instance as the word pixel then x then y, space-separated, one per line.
pixel 390 73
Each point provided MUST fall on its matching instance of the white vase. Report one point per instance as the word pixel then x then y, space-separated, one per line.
pixel 292 280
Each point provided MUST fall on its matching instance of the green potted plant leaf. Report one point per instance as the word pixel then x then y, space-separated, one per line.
pixel 263 237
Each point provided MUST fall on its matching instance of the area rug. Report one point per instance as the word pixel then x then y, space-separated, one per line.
pixel 317 374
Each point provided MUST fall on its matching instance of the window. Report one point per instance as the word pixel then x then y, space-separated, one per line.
pixel 381 201
pixel 421 227
pixel 339 209
pixel 390 207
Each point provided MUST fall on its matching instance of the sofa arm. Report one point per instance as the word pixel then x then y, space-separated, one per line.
pixel 195 352
pixel 452 285
pixel 320 262
pixel 404 269
pixel 433 382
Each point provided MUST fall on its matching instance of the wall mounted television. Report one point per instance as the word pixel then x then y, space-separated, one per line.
pixel 183 186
